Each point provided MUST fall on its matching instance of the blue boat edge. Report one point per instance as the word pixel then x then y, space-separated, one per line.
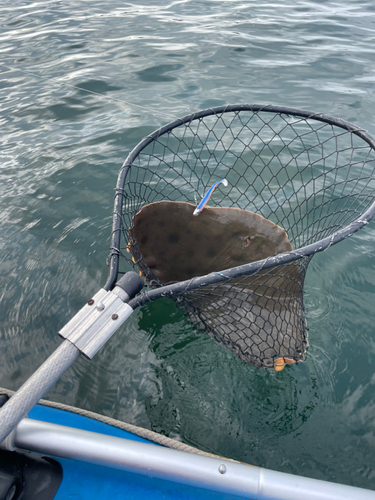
pixel 100 460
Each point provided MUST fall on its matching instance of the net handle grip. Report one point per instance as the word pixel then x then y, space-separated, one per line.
pixel 131 284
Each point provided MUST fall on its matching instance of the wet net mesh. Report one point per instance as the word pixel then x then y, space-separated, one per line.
pixel 308 176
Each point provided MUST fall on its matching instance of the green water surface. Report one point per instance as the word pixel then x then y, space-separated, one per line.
pixel 81 83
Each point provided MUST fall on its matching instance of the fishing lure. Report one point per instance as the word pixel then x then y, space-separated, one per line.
pixel 207 196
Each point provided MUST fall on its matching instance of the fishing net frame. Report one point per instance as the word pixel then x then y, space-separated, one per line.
pixel 308 172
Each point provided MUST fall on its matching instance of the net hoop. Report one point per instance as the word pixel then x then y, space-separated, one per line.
pixel 247 269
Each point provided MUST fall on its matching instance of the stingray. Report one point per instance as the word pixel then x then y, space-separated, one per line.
pixel 259 317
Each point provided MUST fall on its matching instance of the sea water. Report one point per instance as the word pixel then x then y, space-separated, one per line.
pixel 81 83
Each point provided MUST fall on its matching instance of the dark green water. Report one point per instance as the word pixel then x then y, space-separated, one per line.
pixel 81 84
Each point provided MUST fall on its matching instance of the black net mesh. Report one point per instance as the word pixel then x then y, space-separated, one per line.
pixel 310 177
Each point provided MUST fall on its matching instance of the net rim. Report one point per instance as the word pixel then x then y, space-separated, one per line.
pixel 246 269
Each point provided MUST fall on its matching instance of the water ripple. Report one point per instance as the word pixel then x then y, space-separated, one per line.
pixel 79 88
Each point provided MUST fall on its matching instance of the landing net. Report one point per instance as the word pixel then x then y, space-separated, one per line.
pixel 310 174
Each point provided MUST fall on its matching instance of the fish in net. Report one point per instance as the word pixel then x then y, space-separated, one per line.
pixel 261 317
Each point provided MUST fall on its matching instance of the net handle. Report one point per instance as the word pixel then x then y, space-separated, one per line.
pixel 246 269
